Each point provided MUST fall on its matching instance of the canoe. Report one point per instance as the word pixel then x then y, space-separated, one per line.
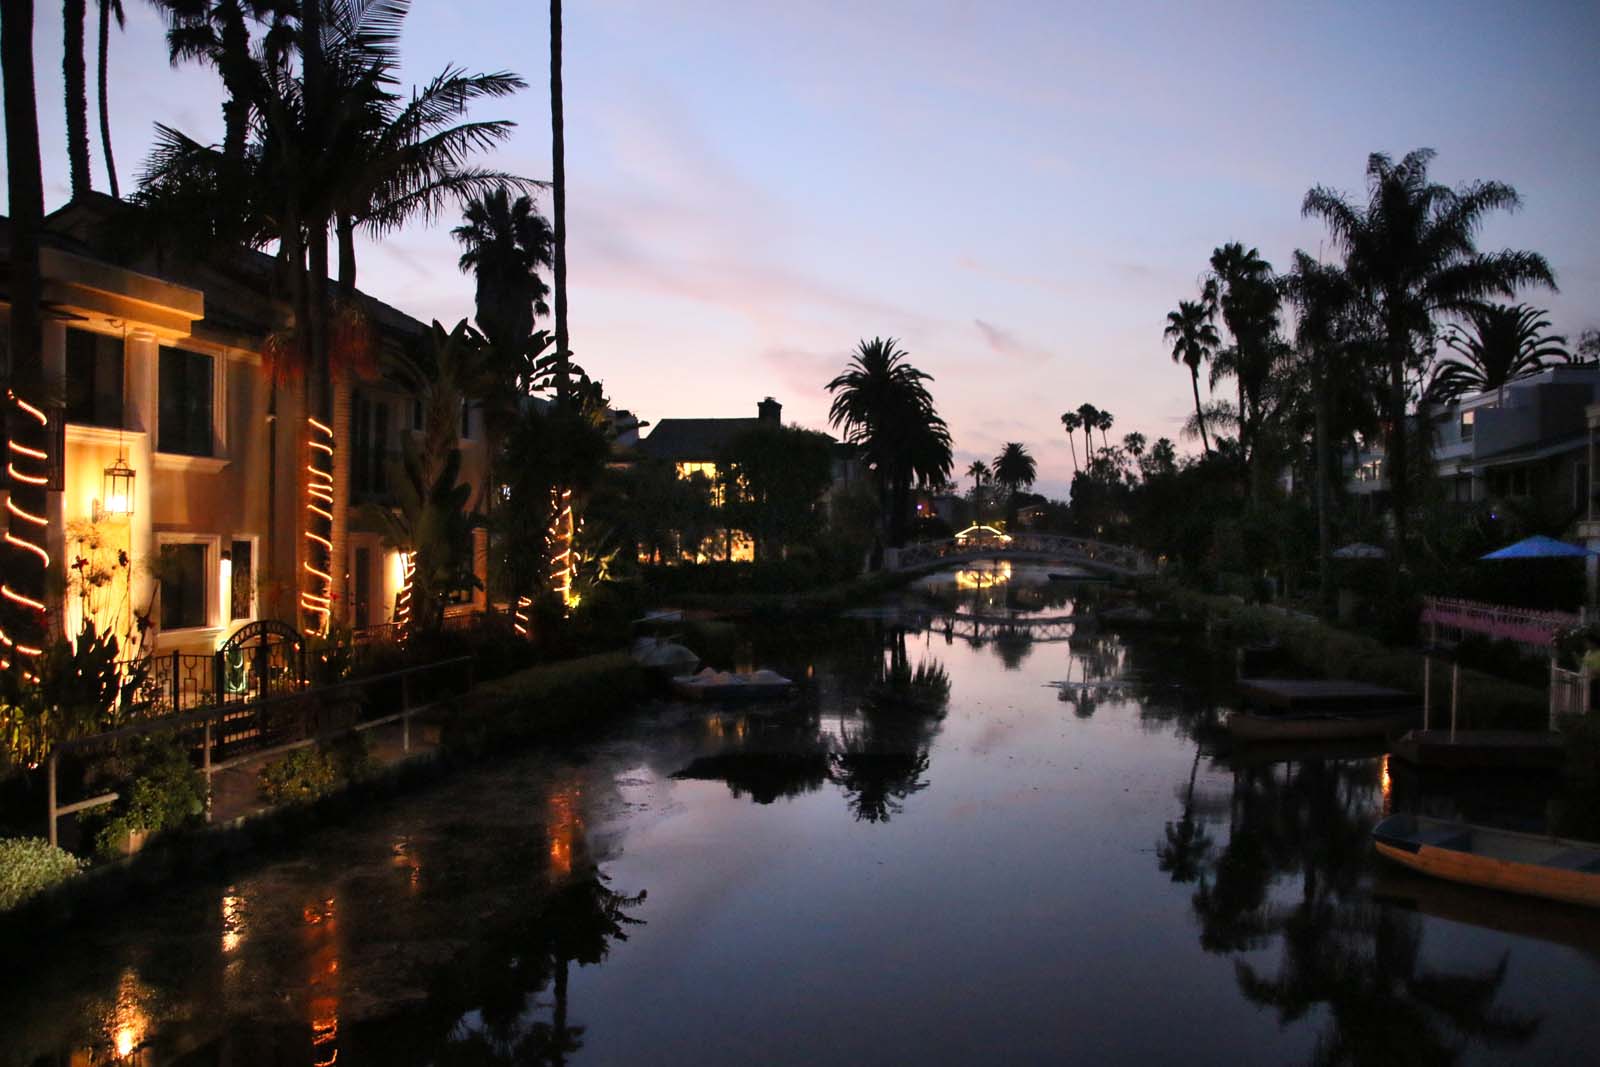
pixel 1317 726
pixel 728 687
pixel 1550 867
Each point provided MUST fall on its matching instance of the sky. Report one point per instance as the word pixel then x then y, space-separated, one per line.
pixel 1018 192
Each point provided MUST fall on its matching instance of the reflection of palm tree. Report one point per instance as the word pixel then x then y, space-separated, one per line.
pixel 1014 644
pixel 883 761
pixel 1188 844
pixel 877 781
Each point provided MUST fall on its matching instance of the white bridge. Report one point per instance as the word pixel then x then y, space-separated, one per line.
pixel 986 542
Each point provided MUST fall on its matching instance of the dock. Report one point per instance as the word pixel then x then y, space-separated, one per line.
pixel 1476 749
pixel 1314 695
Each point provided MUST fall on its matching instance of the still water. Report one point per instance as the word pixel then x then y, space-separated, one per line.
pixel 988 831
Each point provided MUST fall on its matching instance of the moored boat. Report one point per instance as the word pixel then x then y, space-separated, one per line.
pixel 1551 867
pixel 730 687
pixel 1317 726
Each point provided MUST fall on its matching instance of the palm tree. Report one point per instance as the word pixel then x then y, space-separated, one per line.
pixel 558 185
pixel 504 243
pixel 978 471
pixel 218 32
pixel 108 9
pixel 1412 252
pixel 1194 339
pixel 1505 343
pixel 1089 419
pixel 1242 288
pixel 25 570
pixel 1134 443
pixel 1015 469
pixel 883 406
pixel 76 95
pixel 1070 421
pixel 1104 423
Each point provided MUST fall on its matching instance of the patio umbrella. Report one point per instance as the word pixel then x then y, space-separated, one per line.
pixel 1359 550
pixel 1540 547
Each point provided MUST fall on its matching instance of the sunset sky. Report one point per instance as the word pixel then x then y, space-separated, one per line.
pixel 1019 192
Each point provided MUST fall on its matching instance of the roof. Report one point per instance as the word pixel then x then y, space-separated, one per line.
pixel 693 440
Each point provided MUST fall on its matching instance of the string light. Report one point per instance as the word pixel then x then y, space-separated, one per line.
pixel 563 563
pixel 27 466
pixel 402 611
pixel 316 599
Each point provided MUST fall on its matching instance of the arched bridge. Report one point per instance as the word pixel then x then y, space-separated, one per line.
pixel 985 542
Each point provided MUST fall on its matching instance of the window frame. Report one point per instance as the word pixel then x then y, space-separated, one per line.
pixel 209 574
pixel 219 408
pixel 254 541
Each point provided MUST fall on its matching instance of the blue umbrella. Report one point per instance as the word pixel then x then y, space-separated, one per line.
pixel 1541 547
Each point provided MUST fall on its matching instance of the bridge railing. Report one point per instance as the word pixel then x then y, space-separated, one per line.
pixel 1072 549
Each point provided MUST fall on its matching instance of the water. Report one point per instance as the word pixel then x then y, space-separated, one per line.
pixel 970 841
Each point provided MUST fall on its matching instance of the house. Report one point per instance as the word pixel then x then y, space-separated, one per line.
pixel 1528 441
pixel 180 447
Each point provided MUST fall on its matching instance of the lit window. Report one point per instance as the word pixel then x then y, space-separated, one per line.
pixel 1467 418
pixel 183 586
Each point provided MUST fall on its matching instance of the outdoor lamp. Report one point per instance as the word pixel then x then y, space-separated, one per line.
pixel 116 488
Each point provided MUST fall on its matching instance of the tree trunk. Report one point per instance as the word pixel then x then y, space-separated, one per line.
pixel 105 109
pixel 25 572
pixel 340 553
pixel 558 189
pixel 234 67
pixel 1199 414
pixel 77 94
pixel 1399 490
pixel 346 230
pixel 1324 532
pixel 1072 442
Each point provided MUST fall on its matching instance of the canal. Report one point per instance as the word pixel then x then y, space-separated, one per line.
pixel 985 832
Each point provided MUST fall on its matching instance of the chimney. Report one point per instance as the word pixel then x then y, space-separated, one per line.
pixel 769 410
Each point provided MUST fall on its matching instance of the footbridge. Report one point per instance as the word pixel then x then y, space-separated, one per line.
pixel 986 542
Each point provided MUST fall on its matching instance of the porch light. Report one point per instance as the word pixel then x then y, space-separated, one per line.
pixel 116 488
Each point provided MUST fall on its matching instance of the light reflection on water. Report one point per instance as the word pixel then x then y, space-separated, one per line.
pixel 1023 843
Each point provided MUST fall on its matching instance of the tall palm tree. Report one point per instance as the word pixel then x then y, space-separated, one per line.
pixel 1241 287
pixel 883 405
pixel 1134 443
pixel 218 32
pixel 1505 342
pixel 22 615
pixel 109 9
pixel 76 95
pixel 1411 250
pixel 977 471
pixel 1194 339
pixel 504 244
pixel 1015 469
pixel 1070 421
pixel 1104 423
pixel 1089 419
pixel 558 205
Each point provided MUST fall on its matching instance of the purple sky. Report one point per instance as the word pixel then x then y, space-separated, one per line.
pixel 1019 192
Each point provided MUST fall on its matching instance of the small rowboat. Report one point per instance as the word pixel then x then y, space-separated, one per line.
pixel 727 687
pixel 1550 867
pixel 1317 726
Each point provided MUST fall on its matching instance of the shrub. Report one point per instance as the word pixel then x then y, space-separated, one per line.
pixel 31 865
pixel 300 777
pixel 162 791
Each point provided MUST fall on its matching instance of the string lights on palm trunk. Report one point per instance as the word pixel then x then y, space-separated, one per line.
pixel 27 532
pixel 316 598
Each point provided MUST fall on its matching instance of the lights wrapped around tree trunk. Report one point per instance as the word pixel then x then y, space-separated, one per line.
pixel 27 532
pixel 402 609
pixel 563 553
pixel 316 598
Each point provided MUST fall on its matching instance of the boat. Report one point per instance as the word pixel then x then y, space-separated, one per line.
pixel 731 687
pixel 1525 750
pixel 1317 725
pixel 1551 867
pixel 662 656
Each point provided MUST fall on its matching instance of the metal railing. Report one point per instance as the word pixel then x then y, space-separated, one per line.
pixel 226 734
pixel 1533 630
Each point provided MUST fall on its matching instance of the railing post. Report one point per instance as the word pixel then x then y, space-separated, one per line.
pixel 405 712
pixel 1427 689
pixel 50 787
pixel 176 679
pixel 1455 697
pixel 205 765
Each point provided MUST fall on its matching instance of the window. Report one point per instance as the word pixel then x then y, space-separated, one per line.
pixel 1467 418
pixel 185 403
pixel 369 445
pixel 183 585
pixel 242 596
pixel 94 378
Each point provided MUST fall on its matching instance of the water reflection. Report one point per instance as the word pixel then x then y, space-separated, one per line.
pixel 1293 874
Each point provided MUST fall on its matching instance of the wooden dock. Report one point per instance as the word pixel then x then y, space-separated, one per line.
pixel 1479 749
pixel 1314 695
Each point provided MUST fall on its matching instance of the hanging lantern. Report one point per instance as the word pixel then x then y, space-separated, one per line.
pixel 116 488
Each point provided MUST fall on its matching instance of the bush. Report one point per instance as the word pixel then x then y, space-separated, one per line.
pixel 31 865
pixel 300 777
pixel 547 702
pixel 162 791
